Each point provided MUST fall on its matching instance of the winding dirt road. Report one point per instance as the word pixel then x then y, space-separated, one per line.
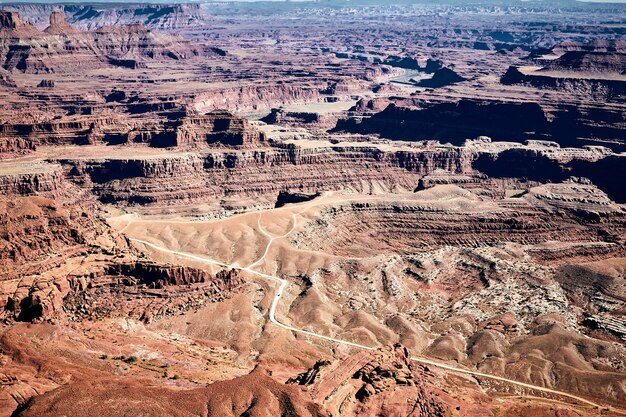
pixel 284 283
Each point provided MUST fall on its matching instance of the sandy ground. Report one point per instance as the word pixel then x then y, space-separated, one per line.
pixel 258 243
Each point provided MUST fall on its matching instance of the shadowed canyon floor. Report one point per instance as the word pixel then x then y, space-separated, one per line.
pixel 239 209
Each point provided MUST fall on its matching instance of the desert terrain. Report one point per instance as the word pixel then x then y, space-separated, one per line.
pixel 333 208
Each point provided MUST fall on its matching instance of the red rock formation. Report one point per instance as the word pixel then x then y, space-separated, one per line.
pixel 13 26
pixel 430 221
pixel 183 131
pixel 185 178
pixel 6 80
pixel 455 122
pixel 257 96
pixel 253 394
pixel 59 25
pixel 38 235
pixel 40 240
pixel 35 227
pixel 591 62
pixel 80 130
pixel 46 84
pixel 311 120
pixel 499 262
pixel 26 179
pixel 375 105
pixel 211 129
pixel 441 78
pixel 383 382
pixel 594 45
pixel 162 17
pixel 63 49
pixel 156 275
pixel 589 83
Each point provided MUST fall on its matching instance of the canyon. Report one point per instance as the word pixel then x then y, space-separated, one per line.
pixel 239 208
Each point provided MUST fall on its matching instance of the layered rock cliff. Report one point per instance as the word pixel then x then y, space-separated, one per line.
pixel 215 128
pixel 219 174
pixel 452 216
pixel 61 261
pixel 162 17
pixel 589 62
pixel 13 26
pixel 569 125
pixel 179 129
pixel 597 85
pixel 62 49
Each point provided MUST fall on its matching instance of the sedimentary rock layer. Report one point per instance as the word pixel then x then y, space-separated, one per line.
pixel 568 125
pixel 62 49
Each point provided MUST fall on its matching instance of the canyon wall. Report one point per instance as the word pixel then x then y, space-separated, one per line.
pixel 224 174
pixel 455 122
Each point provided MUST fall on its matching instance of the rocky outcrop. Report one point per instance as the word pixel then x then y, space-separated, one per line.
pixel 441 78
pixel 136 40
pixel 598 86
pixel 184 178
pixel 77 130
pixel 593 69
pixel 258 96
pixel 161 17
pixel 450 215
pixel 13 26
pixel 37 233
pixel 373 383
pixel 40 240
pixel 180 129
pixel 46 84
pixel 589 62
pixel 212 129
pixel 598 292
pixel 30 178
pixel 6 80
pixel 145 291
pixel 370 106
pixel 286 197
pixel 62 260
pixel 454 122
pixel 295 119
pixel 430 67
pixel 59 25
pixel 539 166
pixel 593 45
pixel 156 275
pixel 607 324
pixel 62 49
pixel 254 394
pixel 216 175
